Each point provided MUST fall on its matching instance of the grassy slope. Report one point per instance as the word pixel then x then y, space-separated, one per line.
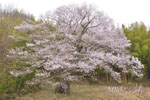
pixel 87 92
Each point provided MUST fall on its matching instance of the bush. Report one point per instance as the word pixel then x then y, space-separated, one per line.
pixel 100 73
pixel 129 84
pixel 139 79
pixel 11 86
pixel 92 80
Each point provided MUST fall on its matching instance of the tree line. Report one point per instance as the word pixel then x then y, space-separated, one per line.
pixel 139 35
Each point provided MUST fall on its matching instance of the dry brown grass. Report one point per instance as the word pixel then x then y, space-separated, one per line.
pixel 88 92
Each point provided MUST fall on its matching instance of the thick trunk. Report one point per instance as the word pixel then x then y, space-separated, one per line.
pixel 63 88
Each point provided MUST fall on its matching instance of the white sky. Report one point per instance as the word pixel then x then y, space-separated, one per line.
pixel 122 11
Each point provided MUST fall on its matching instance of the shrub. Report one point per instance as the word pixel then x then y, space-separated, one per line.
pixel 11 86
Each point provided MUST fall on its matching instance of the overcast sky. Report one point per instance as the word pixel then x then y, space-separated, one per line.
pixel 122 11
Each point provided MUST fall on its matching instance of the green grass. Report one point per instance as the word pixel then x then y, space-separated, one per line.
pixel 85 92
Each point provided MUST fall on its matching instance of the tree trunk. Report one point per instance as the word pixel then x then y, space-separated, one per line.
pixel 63 87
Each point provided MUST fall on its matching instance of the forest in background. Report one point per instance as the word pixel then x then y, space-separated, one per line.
pixel 11 86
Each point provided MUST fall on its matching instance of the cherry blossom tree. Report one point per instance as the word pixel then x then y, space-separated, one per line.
pixel 84 39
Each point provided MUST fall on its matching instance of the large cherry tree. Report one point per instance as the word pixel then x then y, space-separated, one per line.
pixel 82 40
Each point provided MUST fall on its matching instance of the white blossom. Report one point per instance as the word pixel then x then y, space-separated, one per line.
pixel 29 44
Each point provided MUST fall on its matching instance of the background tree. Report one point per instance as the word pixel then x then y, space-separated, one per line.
pixel 9 18
pixel 139 35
